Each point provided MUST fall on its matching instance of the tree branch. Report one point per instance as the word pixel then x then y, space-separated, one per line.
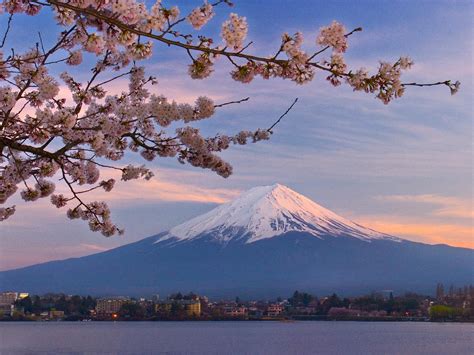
pixel 6 31
pixel 283 115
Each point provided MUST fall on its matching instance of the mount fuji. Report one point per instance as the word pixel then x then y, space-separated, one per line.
pixel 268 242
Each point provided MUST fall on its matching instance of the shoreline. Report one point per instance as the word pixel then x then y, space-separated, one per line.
pixel 282 320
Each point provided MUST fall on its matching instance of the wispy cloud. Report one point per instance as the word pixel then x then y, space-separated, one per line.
pixel 432 233
pixel 37 254
pixel 168 185
pixel 447 206
pixel 93 247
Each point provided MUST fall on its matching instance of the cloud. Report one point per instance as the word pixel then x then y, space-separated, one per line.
pixel 15 258
pixel 432 233
pixel 448 206
pixel 170 185
pixel 93 247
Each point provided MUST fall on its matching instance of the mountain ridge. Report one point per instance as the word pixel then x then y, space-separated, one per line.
pixel 225 255
pixel 268 211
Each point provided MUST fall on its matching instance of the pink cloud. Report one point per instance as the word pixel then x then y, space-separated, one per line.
pixel 448 206
pixel 18 258
pixel 422 231
pixel 168 185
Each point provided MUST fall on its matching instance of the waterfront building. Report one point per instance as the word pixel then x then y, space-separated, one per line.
pixel 6 310
pixel 191 307
pixel 274 310
pixel 8 298
pixel 54 314
pixel 163 306
pixel 108 306
pixel 235 312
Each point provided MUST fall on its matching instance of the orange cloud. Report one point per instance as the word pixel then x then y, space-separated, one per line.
pixel 18 258
pixel 432 233
pixel 167 185
pixel 431 230
pixel 448 206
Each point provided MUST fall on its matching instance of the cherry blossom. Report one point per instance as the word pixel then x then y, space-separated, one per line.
pixel 333 36
pixel 234 30
pixel 201 15
pixel 57 148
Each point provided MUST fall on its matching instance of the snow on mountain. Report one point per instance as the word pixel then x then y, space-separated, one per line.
pixel 268 211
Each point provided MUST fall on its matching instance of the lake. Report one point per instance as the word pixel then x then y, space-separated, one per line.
pixel 236 338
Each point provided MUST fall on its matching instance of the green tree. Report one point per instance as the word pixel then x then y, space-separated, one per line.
pixel 442 312
pixel 25 303
pixel 132 311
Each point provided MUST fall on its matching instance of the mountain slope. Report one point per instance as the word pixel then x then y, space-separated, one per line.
pixel 266 212
pixel 231 251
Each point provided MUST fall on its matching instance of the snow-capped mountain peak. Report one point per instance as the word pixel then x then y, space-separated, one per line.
pixel 268 211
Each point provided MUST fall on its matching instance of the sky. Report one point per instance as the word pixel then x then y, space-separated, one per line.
pixel 403 169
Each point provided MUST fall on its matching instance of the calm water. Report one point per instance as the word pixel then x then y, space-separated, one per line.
pixel 236 338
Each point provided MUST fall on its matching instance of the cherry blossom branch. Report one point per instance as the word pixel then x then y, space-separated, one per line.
pixel 170 42
pixel 358 29
pixel 4 38
pixel 301 76
pixel 283 115
pixel 232 102
pixel 43 134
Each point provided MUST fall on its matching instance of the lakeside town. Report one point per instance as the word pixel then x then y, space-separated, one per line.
pixel 453 304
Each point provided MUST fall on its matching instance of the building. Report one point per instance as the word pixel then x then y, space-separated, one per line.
pixel 163 306
pixel 191 307
pixel 235 312
pixel 8 298
pixel 255 312
pixel 108 306
pixel 274 310
pixel 7 302
pixel 53 314
pixel 6 310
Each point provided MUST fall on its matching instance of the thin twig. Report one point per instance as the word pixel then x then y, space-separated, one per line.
pixel 327 47
pixel 41 42
pixel 446 82
pixel 170 42
pixel 232 102
pixel 7 30
pixel 284 114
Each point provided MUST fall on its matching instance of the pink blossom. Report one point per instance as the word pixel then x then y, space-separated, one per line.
pixel 6 212
pixel 58 200
pixel 73 137
pixel 204 107
pixel 234 30
pixel 333 36
pixel 200 16
pixel 75 58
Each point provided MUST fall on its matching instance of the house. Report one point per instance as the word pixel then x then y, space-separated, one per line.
pixel 235 311
pixel 6 310
pixel 7 302
pixel 274 310
pixel 108 306
pixel 163 306
pixel 54 314
pixel 255 312
pixel 8 298
pixel 191 307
